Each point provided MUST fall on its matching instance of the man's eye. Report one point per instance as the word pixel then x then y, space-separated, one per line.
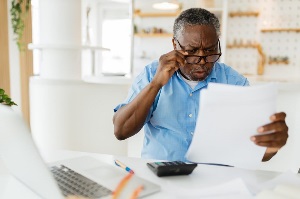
pixel 209 50
pixel 191 51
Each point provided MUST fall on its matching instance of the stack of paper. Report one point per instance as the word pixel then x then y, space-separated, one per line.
pixel 228 117
pixel 284 186
pixel 234 189
pixel 281 191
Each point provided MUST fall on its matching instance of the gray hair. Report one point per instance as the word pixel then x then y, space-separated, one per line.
pixel 195 16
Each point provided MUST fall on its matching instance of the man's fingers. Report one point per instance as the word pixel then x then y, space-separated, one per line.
pixel 275 137
pixel 272 144
pixel 267 137
pixel 271 140
pixel 278 136
pixel 278 117
pixel 182 52
pixel 272 150
pixel 172 58
pixel 273 127
pixel 180 58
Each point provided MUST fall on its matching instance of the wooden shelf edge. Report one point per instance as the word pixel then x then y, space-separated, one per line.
pixel 157 14
pixel 280 30
pixel 243 46
pixel 243 14
pixel 278 62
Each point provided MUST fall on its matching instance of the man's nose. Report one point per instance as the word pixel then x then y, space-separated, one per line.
pixel 202 60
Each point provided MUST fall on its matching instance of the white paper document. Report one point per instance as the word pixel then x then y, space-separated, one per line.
pixel 234 189
pixel 284 186
pixel 287 178
pixel 228 116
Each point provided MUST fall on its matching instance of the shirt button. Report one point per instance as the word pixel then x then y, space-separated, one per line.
pixel 191 94
pixel 190 115
pixel 192 133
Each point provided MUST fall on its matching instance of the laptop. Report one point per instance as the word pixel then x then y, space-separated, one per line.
pixel 83 176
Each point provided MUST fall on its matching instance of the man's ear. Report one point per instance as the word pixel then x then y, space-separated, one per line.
pixel 174 44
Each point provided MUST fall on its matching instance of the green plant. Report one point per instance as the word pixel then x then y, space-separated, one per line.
pixel 17 19
pixel 5 99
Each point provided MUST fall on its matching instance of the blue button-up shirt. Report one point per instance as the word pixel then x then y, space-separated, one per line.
pixel 171 121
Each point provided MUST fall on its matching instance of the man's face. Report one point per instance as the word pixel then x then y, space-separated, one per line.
pixel 199 40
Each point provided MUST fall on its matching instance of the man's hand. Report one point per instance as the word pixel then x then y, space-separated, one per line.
pixel 168 64
pixel 276 137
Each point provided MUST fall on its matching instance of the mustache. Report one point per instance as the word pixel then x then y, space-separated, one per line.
pixel 200 68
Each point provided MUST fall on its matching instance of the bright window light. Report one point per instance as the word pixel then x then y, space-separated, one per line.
pixel 166 6
pixel 116 37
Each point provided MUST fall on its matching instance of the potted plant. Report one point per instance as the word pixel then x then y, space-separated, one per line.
pixel 18 11
pixel 5 99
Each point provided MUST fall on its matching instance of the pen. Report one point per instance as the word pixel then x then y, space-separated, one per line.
pixel 120 164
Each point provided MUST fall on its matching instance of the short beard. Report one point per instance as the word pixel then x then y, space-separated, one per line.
pixel 189 76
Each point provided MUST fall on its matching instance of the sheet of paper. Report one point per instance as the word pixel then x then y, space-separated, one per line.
pixel 228 117
pixel 234 189
pixel 284 186
pixel 287 178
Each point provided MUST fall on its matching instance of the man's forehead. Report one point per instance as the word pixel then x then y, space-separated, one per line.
pixel 199 35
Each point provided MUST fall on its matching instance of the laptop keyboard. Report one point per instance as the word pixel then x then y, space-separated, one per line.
pixel 72 183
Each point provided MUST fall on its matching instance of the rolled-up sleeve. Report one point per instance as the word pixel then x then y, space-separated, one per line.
pixel 139 83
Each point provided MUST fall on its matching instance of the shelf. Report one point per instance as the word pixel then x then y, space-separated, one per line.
pixel 156 14
pixel 153 35
pixel 280 30
pixel 243 14
pixel 243 46
pixel 278 62
pixel 171 14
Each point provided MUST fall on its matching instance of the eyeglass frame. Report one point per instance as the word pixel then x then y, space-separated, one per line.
pixel 202 57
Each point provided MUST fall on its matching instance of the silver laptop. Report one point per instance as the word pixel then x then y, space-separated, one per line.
pixel 83 176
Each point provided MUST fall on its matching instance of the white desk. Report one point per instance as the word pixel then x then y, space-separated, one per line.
pixel 202 176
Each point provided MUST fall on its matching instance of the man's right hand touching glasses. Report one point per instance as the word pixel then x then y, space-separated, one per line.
pixel 168 64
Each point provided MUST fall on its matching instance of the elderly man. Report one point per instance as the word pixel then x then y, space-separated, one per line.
pixel 164 97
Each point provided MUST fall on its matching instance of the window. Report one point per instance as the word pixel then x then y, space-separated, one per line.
pixel 116 35
pixel 114 31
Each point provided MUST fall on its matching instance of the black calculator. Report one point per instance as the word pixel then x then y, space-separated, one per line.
pixel 171 168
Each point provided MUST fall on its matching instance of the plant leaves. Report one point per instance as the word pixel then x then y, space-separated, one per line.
pixel 17 20
pixel 5 99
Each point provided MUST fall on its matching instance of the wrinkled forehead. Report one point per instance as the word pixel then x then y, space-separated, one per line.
pixel 198 35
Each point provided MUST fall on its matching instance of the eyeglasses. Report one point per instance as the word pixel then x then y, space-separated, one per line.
pixel 195 59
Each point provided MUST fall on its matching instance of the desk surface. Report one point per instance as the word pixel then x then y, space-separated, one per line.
pixel 202 176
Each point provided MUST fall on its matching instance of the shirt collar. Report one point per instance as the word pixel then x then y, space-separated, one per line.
pixel 213 74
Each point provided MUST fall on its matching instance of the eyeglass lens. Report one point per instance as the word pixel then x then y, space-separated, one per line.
pixel 197 59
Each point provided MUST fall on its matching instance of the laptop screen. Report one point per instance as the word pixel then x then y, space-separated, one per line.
pixel 21 156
